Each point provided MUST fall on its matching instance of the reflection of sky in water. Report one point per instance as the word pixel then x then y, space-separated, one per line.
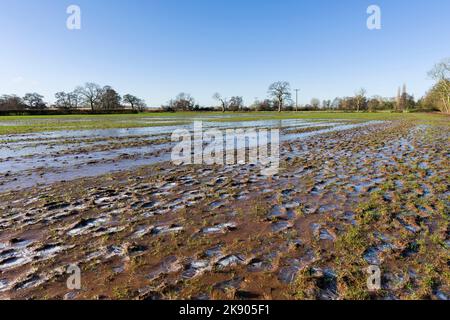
pixel 23 156
pixel 121 132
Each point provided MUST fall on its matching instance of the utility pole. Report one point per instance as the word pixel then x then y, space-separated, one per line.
pixel 296 99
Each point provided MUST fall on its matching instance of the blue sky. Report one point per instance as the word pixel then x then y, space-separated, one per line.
pixel 158 48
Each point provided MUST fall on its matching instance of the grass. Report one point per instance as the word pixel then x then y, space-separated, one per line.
pixel 29 124
pixel 351 268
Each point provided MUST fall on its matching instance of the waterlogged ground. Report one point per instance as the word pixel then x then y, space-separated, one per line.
pixel 47 157
pixel 350 193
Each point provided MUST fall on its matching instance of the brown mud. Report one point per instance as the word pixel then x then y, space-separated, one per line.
pixel 373 195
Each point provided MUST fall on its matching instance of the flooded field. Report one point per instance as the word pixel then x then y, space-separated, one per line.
pixel 350 193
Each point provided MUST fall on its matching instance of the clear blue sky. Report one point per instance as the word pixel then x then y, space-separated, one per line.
pixel 158 48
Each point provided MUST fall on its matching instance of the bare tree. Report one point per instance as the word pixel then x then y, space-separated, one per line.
pixel 183 102
pixel 11 103
pixel 281 91
pixel 92 93
pixel 236 103
pixel 70 100
pixel 336 103
pixel 266 105
pixel 360 98
pixel 34 101
pixel 326 104
pixel 315 103
pixel 62 101
pixel 135 102
pixel 441 73
pixel 223 101
pixel 110 99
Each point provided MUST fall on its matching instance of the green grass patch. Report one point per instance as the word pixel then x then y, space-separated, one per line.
pixel 28 124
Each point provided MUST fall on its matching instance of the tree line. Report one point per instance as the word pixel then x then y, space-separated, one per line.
pixel 91 95
pixel 279 98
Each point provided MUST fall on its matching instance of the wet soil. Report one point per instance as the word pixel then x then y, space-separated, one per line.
pixel 374 194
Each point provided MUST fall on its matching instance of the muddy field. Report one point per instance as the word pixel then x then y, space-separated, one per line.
pixel 349 194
